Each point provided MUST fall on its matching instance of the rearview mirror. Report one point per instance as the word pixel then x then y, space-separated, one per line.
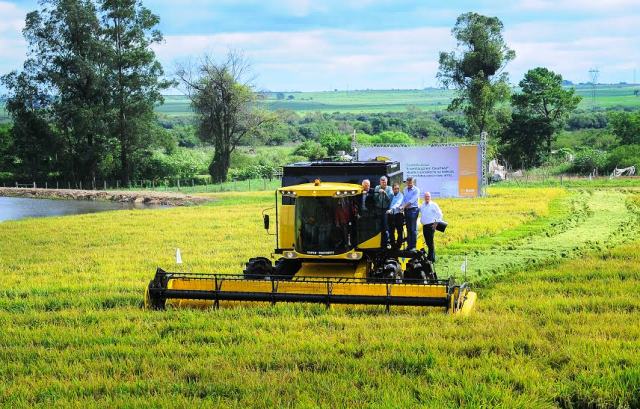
pixel 265 219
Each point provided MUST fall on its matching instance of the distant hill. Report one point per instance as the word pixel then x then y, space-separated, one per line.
pixel 607 96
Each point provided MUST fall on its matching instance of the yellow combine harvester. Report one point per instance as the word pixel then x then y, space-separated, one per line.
pixel 329 243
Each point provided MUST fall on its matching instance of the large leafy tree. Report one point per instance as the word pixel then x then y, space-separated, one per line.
pixel 543 100
pixel 63 75
pixel 225 105
pixel 476 70
pixel 90 83
pixel 133 78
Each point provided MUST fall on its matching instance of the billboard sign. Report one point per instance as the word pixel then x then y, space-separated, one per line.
pixel 445 171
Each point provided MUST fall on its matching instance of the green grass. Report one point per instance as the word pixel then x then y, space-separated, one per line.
pixel 564 335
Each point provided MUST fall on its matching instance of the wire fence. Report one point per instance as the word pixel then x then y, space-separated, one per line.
pixel 199 185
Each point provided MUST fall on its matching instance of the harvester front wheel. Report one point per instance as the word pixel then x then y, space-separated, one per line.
pixel 258 268
pixel 286 267
pixel 388 270
pixel 418 269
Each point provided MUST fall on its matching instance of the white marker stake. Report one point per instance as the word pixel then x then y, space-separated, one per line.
pixel 178 257
pixel 463 267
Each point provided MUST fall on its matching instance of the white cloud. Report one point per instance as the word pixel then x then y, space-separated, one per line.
pixel 326 59
pixel 572 48
pixel 12 45
pixel 609 6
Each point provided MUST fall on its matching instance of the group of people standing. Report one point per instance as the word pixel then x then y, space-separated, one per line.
pixel 400 208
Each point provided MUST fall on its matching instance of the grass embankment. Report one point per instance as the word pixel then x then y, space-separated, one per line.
pixel 74 335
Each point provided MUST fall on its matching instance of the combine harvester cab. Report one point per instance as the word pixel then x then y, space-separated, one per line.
pixel 329 243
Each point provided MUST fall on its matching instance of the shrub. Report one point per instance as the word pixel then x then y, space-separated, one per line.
pixel 335 143
pixel 386 137
pixel 312 150
pixel 183 163
pixel 624 156
pixel 626 126
pixel 252 172
pixel 589 159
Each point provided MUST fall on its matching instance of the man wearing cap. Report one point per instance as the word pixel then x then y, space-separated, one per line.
pixel 383 196
pixel 430 215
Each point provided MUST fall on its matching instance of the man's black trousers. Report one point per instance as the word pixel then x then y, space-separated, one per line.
pixel 428 232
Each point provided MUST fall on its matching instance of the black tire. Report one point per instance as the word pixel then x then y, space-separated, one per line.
pixel 421 270
pixel 388 271
pixel 258 268
pixel 154 303
pixel 286 267
pixel 414 272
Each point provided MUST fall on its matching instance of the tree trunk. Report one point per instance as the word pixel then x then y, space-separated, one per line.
pixel 219 168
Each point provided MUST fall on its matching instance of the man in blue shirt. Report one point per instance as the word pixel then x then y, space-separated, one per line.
pixel 410 205
pixel 395 218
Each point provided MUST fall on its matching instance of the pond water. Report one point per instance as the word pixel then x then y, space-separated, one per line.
pixel 14 208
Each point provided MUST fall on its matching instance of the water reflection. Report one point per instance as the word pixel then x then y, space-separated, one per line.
pixel 13 208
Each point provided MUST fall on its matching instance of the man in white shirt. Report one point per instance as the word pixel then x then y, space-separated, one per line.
pixel 430 215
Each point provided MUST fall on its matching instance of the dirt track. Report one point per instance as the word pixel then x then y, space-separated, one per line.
pixel 147 197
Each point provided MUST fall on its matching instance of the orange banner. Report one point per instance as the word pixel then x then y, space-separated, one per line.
pixel 468 171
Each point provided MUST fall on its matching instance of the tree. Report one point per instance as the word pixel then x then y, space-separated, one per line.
pixel 544 101
pixel 476 70
pixel 133 77
pixel 521 143
pixel 65 66
pixel 6 148
pixel 31 139
pixel 225 104
pixel 626 126
pixel 93 75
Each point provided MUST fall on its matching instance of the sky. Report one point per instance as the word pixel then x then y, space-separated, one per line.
pixel 306 45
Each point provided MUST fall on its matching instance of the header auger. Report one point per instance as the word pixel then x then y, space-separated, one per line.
pixel 331 253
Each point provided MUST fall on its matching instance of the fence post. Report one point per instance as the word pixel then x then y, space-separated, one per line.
pixel 178 183
pixel 80 185
pixel 34 185
pixel 249 184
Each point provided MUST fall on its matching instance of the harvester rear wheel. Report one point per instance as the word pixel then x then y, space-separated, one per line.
pixel 286 267
pixel 258 268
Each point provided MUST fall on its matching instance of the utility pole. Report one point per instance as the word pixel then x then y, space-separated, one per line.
pixel 594 73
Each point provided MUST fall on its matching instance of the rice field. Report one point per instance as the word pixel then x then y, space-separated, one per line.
pixel 560 331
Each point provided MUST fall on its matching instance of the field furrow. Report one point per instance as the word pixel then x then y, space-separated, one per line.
pixel 597 219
